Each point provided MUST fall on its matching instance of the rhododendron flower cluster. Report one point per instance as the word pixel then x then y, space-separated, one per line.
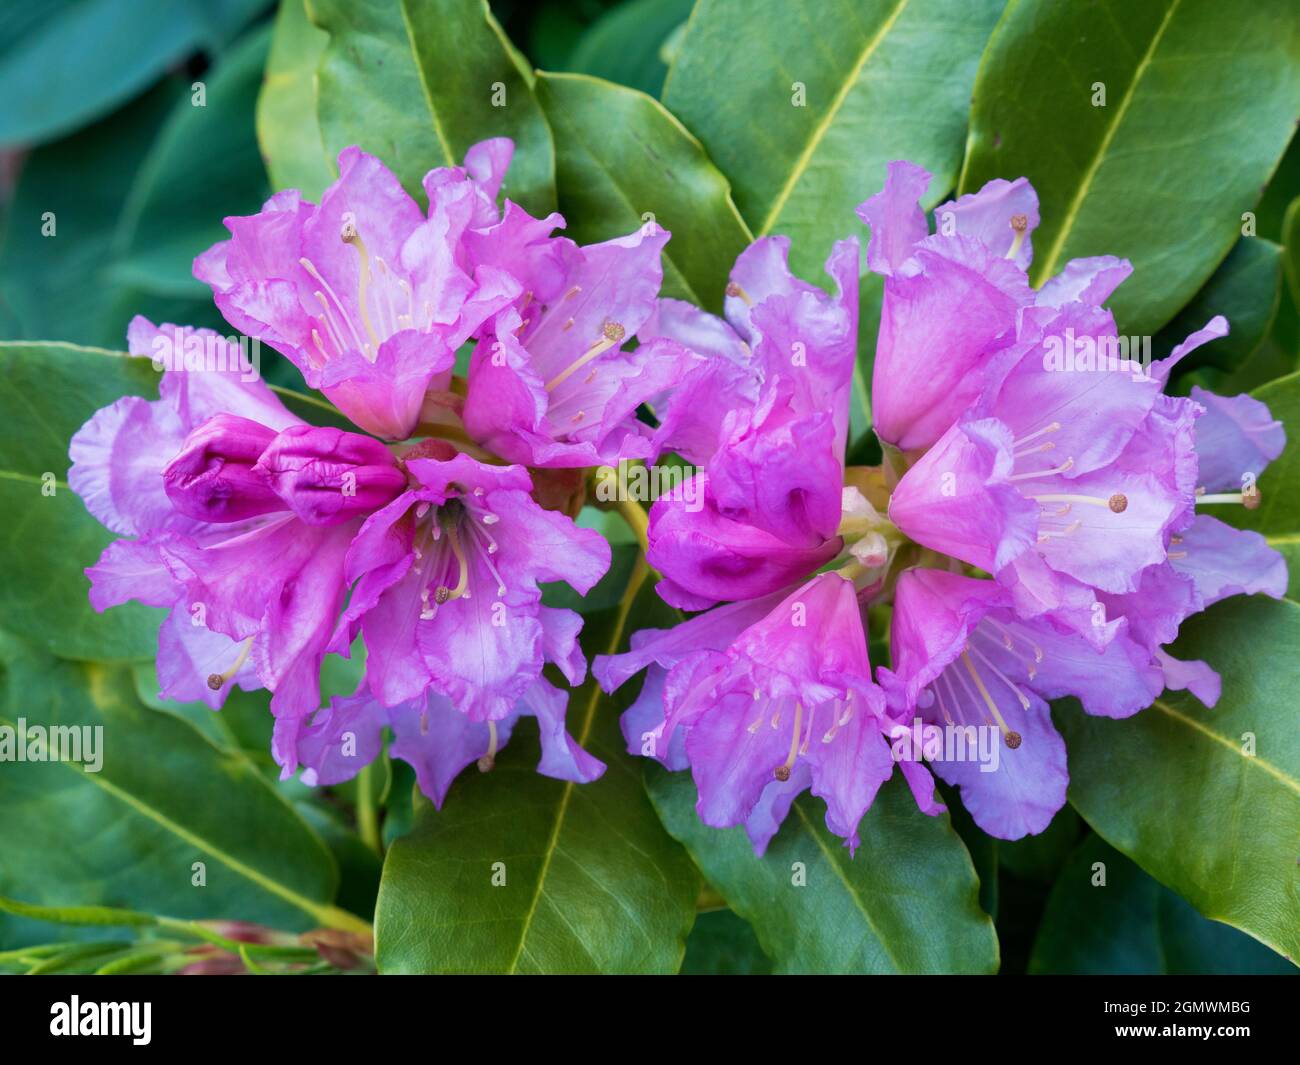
pixel 1033 531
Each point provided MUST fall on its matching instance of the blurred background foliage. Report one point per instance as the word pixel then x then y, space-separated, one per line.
pixel 135 124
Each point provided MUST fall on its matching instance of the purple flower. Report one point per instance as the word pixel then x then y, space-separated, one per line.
pixel 763 700
pixel 952 300
pixel 365 294
pixel 253 590
pixel 551 384
pixel 963 659
pixel 1042 537
pixel 768 413
pixel 445 589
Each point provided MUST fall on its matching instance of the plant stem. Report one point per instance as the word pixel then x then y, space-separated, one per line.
pixel 367 814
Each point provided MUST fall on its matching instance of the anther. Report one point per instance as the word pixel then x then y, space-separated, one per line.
pixel 736 291
pixel 1020 225
pixel 611 334
pixel 1250 500
pixel 217 680
pixel 349 234
pixel 782 772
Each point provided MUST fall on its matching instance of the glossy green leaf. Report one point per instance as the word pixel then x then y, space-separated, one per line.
pixel 879 80
pixel 161 798
pixel 82 255
pixel 1106 917
pixel 56 255
pixel 1200 102
pixel 626 44
pixel 288 130
pixel 623 161
pixel 1245 290
pixel 723 944
pixel 414 82
pixel 593 884
pixel 1291 239
pixel 907 903
pixel 203 166
pixel 120 47
pixel 1040 858
pixel 47 392
pixel 1208 800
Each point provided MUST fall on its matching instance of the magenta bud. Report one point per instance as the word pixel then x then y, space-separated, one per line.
pixel 326 476
pixel 213 476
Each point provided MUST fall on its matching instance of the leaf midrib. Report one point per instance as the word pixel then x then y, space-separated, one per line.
pixel 552 844
pixel 319 911
pixel 1046 265
pixel 1251 759
pixel 819 131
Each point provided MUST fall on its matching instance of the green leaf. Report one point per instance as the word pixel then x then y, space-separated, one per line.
pixel 1130 924
pixel 288 130
pixel 722 944
pixel 120 47
pixel 203 166
pixel 83 915
pixel 1040 858
pixel 1291 238
pixel 984 850
pixel 105 224
pixel 626 43
pixel 161 798
pixel 624 161
pixel 1179 76
pixel 592 882
pixel 1176 790
pixel 413 82
pixel 46 392
pixel 1278 515
pixel 907 903
pixel 60 286
pixel 1245 290
pixel 882 80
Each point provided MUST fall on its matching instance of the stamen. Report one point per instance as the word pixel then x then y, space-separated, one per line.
pixel 1011 737
pixel 330 327
pixel 310 267
pixel 1048 445
pixel 1176 554
pixel 611 333
pixel 1072 527
pixel 216 680
pixel 943 707
pixel 735 290
pixel 1020 224
pixel 349 234
pixel 1036 434
pixel 1020 696
pixel 1068 464
pixel 807 732
pixel 1118 503
pixel 445 594
pixel 783 771
pixel 1249 500
pixel 489 760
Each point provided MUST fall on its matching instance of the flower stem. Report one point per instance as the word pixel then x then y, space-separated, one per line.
pixel 367 814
